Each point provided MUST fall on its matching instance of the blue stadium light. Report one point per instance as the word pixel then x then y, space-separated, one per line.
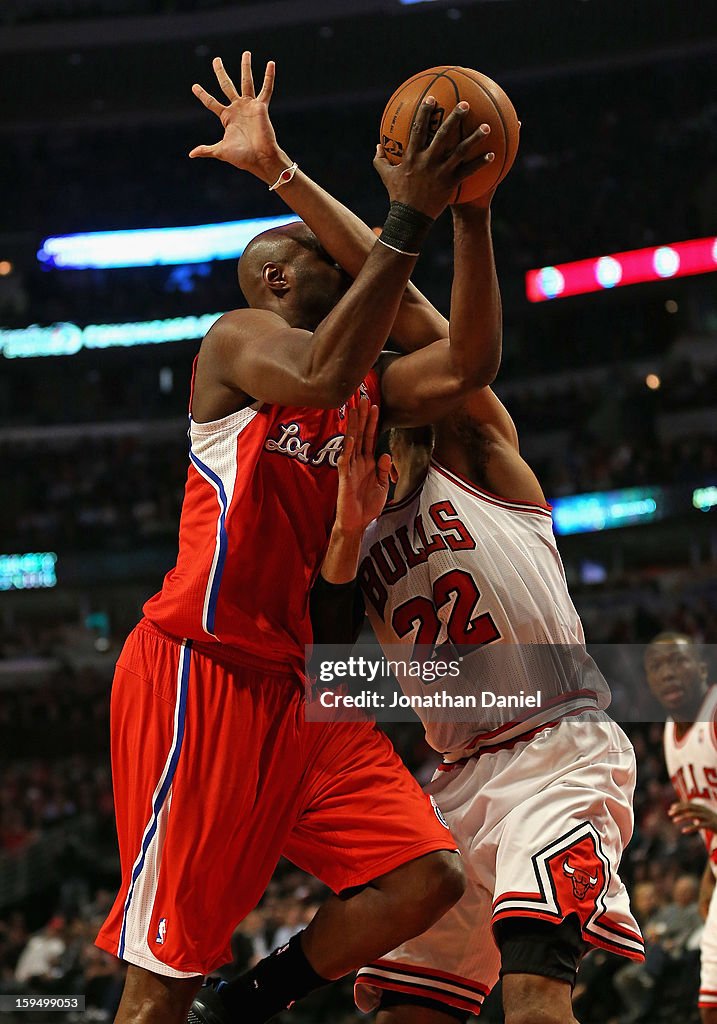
pixel 407 3
pixel 108 250
pixel 704 498
pixel 32 571
pixel 66 339
pixel 607 510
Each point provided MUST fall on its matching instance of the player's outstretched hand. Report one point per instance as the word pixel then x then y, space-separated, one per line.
pixel 434 165
pixel 691 817
pixel 249 141
pixel 363 481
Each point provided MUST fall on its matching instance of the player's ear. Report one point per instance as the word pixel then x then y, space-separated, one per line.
pixel 393 473
pixel 274 278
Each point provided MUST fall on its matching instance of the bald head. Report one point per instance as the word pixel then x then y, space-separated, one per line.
pixel 278 246
pixel 286 271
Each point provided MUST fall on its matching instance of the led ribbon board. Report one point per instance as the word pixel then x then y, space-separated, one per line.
pixel 108 250
pixel 607 510
pixel 31 571
pixel 657 263
pixel 65 339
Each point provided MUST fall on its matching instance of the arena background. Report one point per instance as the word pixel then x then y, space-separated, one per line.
pixel 611 391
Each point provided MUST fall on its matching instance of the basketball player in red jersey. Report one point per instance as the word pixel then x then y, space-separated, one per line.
pixel 216 773
pixel 678 679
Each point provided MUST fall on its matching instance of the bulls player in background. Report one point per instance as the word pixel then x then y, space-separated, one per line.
pixel 216 772
pixel 678 678
pixel 464 563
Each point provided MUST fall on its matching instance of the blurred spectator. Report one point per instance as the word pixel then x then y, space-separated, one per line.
pixel 39 961
pixel 671 949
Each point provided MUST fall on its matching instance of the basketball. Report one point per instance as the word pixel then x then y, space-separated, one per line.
pixel 489 104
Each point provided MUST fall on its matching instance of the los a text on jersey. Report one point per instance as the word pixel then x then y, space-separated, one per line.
pixel 291 444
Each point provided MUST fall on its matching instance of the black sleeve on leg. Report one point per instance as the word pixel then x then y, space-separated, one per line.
pixel 389 998
pixel 529 946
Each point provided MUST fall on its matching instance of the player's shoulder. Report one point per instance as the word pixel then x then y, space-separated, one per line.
pixel 242 325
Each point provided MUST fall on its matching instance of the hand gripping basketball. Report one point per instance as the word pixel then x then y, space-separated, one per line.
pixel 433 165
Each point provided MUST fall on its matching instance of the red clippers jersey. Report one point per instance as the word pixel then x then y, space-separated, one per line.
pixel 258 508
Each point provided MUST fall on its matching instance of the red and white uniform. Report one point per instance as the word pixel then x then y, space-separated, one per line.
pixel 692 765
pixel 454 565
pixel 216 771
pixel 539 800
pixel 259 504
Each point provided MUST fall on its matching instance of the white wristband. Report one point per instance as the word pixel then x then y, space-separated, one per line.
pixel 285 177
pixel 401 251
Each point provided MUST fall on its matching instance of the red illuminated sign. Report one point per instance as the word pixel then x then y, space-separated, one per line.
pixel 658 263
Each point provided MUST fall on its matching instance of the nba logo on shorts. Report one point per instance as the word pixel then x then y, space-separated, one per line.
pixel 439 813
pixel 161 931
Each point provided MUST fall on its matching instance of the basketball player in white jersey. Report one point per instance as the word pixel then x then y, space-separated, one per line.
pixel 677 677
pixel 539 799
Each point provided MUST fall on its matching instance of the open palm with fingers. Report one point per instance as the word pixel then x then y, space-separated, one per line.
pixel 363 481
pixel 249 141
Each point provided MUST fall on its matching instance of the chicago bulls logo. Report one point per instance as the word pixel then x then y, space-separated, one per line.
pixel 572 876
pixel 582 880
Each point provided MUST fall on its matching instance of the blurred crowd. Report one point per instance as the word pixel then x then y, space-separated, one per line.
pixel 60 958
pixel 107 494
pixel 94 491
pixel 37 795
pixel 589 464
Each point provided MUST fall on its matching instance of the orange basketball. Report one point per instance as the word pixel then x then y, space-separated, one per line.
pixel 488 105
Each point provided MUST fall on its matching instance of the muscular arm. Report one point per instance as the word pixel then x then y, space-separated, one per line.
pixel 250 143
pixel 267 362
pixel 349 241
pixel 428 385
pixel 707 886
pixel 447 384
pixel 253 352
pixel 336 604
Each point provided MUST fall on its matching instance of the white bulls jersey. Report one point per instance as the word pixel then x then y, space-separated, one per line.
pixel 453 568
pixel 692 763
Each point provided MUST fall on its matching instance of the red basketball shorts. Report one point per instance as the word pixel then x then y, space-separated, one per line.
pixel 217 774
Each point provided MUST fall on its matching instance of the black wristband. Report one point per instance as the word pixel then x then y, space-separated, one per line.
pixel 405 229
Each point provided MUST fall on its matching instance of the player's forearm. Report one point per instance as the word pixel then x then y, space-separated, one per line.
pixel 476 322
pixel 348 341
pixel 349 241
pixel 341 232
pixel 332 604
pixel 340 564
